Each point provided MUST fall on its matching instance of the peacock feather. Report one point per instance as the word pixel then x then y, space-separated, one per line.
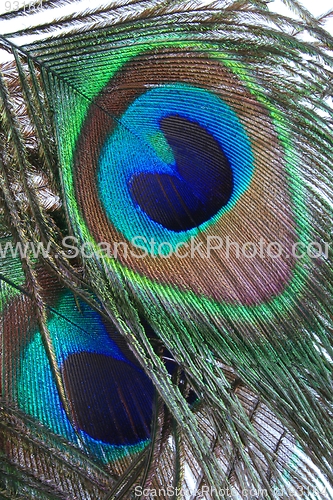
pixel 166 262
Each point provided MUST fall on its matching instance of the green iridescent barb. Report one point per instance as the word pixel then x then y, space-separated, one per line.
pixel 165 243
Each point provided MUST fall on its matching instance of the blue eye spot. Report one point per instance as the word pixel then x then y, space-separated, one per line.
pixel 177 160
pixel 200 186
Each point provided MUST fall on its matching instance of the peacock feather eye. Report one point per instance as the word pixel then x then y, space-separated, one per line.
pixel 111 398
pixel 182 149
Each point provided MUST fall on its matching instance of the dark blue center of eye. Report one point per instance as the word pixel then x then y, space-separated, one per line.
pixel 112 400
pixel 201 185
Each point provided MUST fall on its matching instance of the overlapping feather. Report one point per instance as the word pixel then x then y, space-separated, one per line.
pixel 244 393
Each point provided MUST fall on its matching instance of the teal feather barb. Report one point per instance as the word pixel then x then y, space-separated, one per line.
pixel 166 260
